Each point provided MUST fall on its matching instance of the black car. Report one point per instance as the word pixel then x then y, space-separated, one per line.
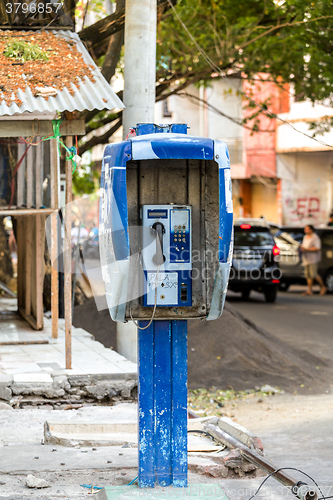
pixel 254 262
pixel 288 240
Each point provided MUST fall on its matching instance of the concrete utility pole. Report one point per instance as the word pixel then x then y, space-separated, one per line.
pixel 139 99
pixel 140 63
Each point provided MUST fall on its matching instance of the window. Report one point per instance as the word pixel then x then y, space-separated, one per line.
pixel 166 112
pixel 254 237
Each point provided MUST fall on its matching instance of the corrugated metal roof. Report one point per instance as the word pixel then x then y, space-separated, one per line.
pixel 88 95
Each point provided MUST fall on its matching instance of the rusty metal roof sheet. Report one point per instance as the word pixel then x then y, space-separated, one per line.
pixel 85 95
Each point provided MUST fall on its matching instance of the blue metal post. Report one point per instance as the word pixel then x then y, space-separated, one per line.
pixel 162 395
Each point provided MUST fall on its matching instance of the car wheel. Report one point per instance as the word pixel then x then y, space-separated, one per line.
pixel 246 294
pixel 270 294
pixel 284 286
pixel 329 280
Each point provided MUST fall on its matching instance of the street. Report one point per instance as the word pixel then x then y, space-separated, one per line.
pixel 304 322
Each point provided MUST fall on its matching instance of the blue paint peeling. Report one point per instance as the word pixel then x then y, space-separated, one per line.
pixel 162 349
pixel 163 458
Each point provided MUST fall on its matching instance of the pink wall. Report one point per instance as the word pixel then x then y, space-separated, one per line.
pixel 259 148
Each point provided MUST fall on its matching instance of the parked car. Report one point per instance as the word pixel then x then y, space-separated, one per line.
pixel 288 240
pixel 290 260
pixel 254 263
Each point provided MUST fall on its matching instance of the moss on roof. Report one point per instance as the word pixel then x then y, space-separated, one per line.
pixel 63 65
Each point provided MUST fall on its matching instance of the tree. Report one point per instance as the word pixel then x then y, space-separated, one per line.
pixel 291 40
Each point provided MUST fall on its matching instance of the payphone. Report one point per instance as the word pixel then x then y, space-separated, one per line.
pixel 166 245
pixel 167 248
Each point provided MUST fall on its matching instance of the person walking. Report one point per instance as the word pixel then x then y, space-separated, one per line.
pixel 311 256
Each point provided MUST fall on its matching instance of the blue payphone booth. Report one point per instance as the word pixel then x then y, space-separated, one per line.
pixel 166 246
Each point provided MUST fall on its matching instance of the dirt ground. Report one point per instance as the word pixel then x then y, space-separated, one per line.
pixel 231 353
pixel 262 413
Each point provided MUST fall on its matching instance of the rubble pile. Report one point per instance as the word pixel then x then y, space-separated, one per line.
pixel 62 390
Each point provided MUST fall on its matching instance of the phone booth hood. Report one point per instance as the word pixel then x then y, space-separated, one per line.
pixel 165 169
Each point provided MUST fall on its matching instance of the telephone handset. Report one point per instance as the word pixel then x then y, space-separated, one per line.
pixel 167 248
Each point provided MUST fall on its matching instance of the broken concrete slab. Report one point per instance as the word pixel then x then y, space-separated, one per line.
pixel 5 382
pixel 97 372
pixel 77 380
pixel 5 393
pixel 86 434
pixel 55 386
pixel 73 434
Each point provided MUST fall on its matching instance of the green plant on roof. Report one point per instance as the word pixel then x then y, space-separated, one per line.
pixel 24 51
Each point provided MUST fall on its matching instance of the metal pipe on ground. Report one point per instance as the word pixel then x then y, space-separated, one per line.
pixel 298 488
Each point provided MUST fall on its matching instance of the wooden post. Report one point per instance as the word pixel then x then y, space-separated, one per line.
pixel 28 264
pixel 68 259
pixel 54 237
pixel 20 263
pixel 39 266
pixel 39 174
pixel 21 175
pixel 30 178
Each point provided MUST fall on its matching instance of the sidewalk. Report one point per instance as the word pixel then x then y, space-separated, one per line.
pixel 33 364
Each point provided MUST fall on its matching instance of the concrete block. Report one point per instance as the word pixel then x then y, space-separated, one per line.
pixel 237 431
pixel 36 389
pixel 61 382
pixel 5 393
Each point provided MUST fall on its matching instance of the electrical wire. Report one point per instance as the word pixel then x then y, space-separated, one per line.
pixel 219 112
pixel 218 70
pixel 289 468
pixel 199 431
pixel 154 310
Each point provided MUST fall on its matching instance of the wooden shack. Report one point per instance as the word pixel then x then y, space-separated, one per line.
pixel 40 99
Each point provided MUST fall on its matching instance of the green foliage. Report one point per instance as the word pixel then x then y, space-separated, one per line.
pixel 291 40
pixel 83 182
pixel 322 126
pixel 24 51
pixel 101 118
pixel 208 402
